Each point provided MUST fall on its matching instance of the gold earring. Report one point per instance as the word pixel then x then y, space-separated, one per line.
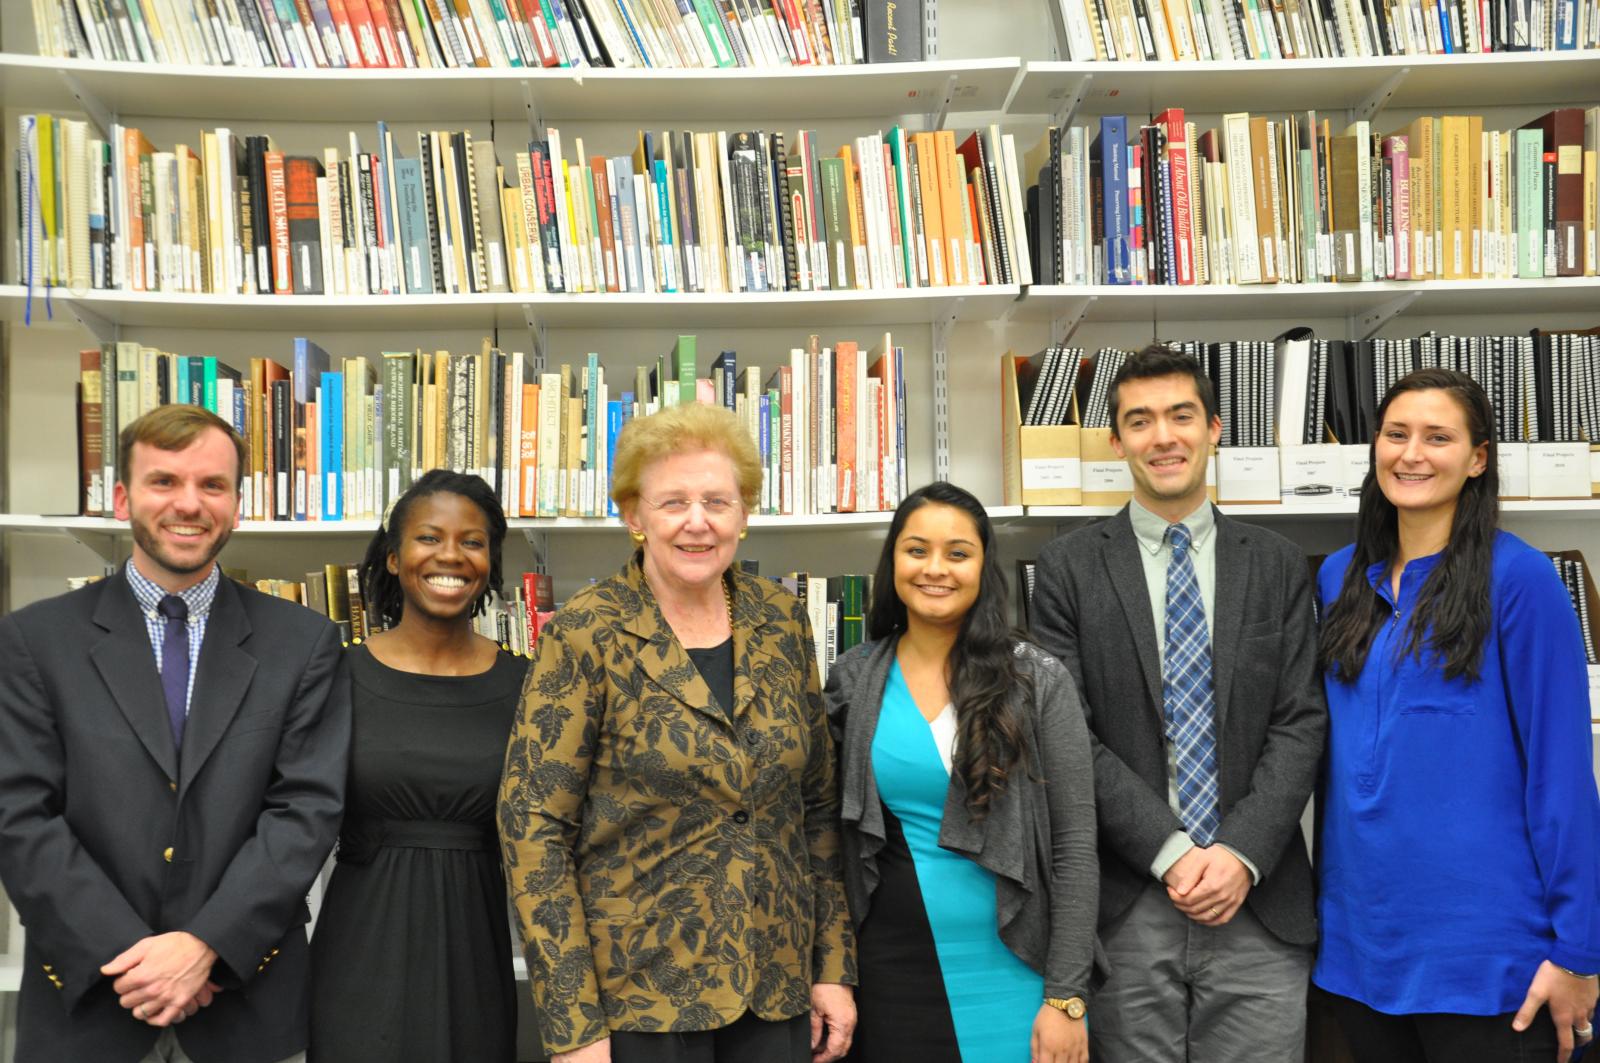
pixel 743 532
pixel 636 536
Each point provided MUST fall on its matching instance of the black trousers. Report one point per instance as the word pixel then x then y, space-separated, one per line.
pixel 1374 1037
pixel 747 1040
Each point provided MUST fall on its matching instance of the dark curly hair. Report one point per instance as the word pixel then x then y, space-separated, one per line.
pixel 382 587
pixel 983 663
pixel 1453 614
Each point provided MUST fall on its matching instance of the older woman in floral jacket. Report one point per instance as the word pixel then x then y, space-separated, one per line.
pixel 669 809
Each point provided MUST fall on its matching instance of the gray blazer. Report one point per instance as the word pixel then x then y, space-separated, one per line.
pixel 1038 838
pixel 107 835
pixel 1091 609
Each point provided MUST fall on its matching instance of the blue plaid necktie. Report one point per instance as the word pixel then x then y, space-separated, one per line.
pixel 175 663
pixel 1187 693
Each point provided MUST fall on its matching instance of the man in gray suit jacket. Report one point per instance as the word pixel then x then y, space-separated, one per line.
pixel 1192 640
pixel 172 765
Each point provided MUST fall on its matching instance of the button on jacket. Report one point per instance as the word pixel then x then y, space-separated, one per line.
pixel 672 866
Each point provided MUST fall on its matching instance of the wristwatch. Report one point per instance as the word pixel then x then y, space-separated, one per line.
pixel 1072 1007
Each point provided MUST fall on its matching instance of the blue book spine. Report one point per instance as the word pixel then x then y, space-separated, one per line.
pixel 414 245
pixel 1114 175
pixel 181 395
pixel 669 279
pixel 764 446
pixel 1444 29
pixel 900 419
pixel 1566 25
pixel 617 415
pixel 330 412
pixel 238 412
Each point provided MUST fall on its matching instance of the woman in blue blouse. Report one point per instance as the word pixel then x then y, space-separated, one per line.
pixel 1460 868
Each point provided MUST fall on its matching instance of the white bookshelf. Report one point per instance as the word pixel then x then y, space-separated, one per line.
pixel 592 310
pixel 310 529
pixel 1552 509
pixel 1455 81
pixel 1232 302
pixel 679 96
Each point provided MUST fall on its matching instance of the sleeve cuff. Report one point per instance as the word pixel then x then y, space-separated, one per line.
pixel 1175 846
pixel 1255 873
pixel 1583 961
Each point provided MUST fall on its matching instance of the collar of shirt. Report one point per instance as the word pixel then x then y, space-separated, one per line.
pixel 1151 530
pixel 198 598
pixel 1416 570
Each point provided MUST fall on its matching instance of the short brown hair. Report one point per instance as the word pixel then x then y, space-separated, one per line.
pixel 174 427
pixel 679 430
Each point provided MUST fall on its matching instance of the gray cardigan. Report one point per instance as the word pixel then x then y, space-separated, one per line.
pixel 1038 838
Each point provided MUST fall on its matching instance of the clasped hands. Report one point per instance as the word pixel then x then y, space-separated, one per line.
pixel 1208 884
pixel 165 978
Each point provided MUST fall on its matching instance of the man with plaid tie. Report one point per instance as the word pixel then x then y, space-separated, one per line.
pixel 172 762
pixel 1193 642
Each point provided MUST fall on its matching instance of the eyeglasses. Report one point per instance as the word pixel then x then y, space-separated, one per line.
pixel 677 506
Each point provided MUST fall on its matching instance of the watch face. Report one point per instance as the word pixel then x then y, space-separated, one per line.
pixel 1075 1008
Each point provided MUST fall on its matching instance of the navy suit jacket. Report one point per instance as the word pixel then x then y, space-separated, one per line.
pixel 108 835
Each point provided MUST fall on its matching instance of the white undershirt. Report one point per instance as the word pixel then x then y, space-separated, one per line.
pixel 943 727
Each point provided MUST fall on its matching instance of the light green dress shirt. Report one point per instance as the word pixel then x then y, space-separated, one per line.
pixel 1156 554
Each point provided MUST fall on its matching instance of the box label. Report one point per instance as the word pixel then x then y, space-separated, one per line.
pixel 1247 474
pixel 1051 474
pixel 1105 476
pixel 1558 470
pixel 1311 475
pixel 1513 470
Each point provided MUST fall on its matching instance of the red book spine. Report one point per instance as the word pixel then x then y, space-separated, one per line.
pixel 1182 209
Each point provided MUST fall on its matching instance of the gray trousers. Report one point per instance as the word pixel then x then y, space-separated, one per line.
pixel 167 1050
pixel 1180 992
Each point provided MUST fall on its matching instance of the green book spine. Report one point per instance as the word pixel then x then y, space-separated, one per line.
pixel 210 392
pixel 686 370
pixel 1530 203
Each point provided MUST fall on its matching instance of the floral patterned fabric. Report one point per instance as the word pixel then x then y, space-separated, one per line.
pixel 672 868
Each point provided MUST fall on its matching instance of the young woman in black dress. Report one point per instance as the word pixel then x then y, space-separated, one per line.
pixel 411 959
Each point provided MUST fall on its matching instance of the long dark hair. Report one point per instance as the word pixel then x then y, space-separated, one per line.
pixel 1452 617
pixel 382 587
pixel 983 665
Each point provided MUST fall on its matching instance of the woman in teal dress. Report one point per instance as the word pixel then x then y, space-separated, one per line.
pixel 968 809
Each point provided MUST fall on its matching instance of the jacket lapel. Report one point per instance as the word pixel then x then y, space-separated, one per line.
pixel 127 664
pixel 1126 571
pixel 224 675
pixel 1233 590
pixel 663 657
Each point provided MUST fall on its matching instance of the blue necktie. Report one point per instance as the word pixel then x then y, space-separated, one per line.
pixel 175 663
pixel 1187 693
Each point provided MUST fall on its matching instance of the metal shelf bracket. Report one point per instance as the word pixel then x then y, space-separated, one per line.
pixel 1374 319
pixel 1064 325
pixel 1368 109
pixel 942 329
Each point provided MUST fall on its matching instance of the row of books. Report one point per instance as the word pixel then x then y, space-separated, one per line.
pixel 334 439
pixel 1202 30
pixel 700 212
pixel 1579 581
pixel 343 34
pixel 1542 385
pixel 1298 389
pixel 1264 201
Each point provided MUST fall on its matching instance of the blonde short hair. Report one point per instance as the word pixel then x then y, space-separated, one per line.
pixel 681 430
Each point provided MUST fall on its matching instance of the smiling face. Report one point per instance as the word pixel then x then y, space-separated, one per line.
pixel 938 565
pixel 444 561
pixel 182 505
pixel 688 543
pixel 1424 454
pixel 1163 433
